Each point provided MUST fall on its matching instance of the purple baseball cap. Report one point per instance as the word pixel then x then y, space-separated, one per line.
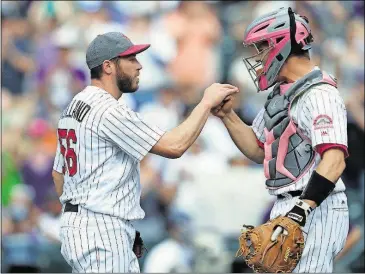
pixel 109 45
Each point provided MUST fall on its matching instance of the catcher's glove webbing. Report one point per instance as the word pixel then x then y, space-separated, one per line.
pixel 264 255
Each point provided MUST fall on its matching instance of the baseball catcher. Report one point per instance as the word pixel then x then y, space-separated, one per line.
pixel 300 137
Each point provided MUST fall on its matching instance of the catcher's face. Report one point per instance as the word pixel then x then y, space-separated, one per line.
pixel 262 51
pixel 127 73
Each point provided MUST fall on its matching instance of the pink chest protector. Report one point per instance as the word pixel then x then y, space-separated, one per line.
pixel 288 154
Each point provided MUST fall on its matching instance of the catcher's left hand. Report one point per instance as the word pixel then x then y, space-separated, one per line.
pixel 299 213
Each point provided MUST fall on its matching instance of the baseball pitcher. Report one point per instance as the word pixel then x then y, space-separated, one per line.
pixel 101 143
pixel 300 137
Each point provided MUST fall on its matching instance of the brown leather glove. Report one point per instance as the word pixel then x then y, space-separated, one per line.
pixel 266 253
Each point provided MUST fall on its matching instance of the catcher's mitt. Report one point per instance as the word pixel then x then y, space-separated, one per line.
pixel 264 255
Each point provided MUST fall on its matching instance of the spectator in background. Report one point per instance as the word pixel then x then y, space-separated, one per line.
pixel 9 177
pixel 49 227
pixel 211 254
pixel 352 256
pixel 165 111
pixel 354 171
pixel 139 28
pixel 330 15
pixel 45 16
pixel 21 248
pixel 22 204
pixel 63 79
pixel 16 112
pixel 93 18
pixel 357 9
pixel 49 219
pixel 175 253
pixel 216 140
pixel 179 187
pixel 21 242
pixel 350 58
pixel 16 52
pixel 152 227
pixel 262 7
pixel 36 169
pixel 197 31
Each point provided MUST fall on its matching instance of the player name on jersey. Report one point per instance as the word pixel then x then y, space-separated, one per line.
pixel 77 110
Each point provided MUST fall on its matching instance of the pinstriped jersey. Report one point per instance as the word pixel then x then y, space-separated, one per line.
pixel 101 143
pixel 320 114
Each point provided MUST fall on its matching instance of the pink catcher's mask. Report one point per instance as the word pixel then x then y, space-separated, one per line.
pixel 273 36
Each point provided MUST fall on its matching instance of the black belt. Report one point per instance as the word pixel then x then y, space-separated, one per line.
pixel 71 208
pixel 291 193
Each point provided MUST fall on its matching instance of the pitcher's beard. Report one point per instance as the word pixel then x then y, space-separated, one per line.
pixel 125 83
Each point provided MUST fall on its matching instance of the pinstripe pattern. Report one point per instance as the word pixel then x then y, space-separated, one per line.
pixel 110 138
pixel 325 232
pixel 321 99
pixel 109 243
pixel 111 141
pixel 258 125
pixel 59 161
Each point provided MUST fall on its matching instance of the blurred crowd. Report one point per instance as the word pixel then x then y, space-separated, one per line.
pixel 195 205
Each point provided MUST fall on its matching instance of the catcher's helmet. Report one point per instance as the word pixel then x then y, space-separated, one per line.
pixel 283 31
